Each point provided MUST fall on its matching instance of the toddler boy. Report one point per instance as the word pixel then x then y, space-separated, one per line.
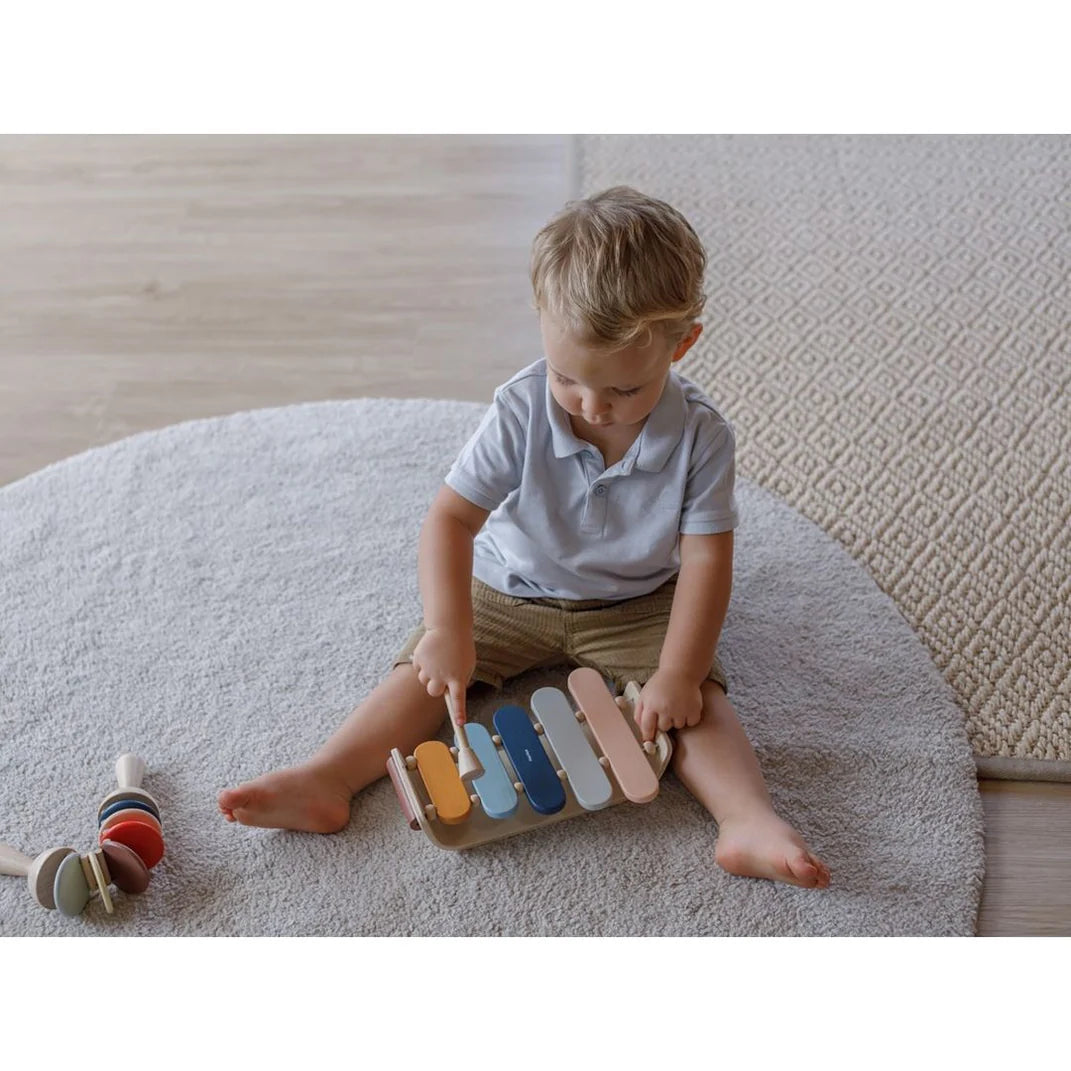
pixel 588 520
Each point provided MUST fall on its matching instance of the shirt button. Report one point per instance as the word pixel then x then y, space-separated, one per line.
pixel 600 490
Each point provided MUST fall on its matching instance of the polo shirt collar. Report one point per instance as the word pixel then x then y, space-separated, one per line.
pixel 664 427
pixel 561 433
pixel 659 437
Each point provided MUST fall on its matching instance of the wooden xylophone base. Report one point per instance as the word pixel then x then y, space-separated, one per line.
pixel 478 827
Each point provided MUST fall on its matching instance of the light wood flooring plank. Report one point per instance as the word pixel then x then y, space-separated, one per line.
pixel 257 271
pixel 1028 859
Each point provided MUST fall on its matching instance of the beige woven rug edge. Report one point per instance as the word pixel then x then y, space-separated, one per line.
pixel 889 329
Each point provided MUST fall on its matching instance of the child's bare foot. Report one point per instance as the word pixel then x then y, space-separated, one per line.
pixel 300 797
pixel 766 847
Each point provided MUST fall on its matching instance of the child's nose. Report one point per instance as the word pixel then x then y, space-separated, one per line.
pixel 594 405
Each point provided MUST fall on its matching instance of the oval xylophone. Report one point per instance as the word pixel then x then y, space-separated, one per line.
pixel 562 765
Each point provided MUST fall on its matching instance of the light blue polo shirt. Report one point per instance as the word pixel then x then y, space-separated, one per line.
pixel 562 525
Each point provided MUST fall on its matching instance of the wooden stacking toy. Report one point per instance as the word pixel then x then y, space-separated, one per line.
pixel 533 774
pixel 130 843
pixel 62 880
pixel 129 815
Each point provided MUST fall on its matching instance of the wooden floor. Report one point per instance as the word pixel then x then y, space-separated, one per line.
pixel 146 281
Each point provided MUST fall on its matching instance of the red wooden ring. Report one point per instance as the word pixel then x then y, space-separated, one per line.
pixel 142 838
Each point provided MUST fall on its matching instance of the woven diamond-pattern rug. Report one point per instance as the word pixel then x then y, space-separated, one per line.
pixel 889 329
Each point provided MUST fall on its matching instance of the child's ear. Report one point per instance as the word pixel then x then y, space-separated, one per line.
pixel 687 342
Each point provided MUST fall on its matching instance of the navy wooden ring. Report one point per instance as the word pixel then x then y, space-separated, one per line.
pixel 122 805
pixel 128 794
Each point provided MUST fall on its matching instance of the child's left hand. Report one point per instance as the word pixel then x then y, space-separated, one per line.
pixel 669 700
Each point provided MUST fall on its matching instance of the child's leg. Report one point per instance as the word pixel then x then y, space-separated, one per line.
pixel 716 763
pixel 511 635
pixel 315 796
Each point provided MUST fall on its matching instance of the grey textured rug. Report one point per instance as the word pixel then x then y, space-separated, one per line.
pixel 889 328
pixel 216 596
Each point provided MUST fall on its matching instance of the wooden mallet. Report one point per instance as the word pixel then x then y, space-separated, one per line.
pixel 468 766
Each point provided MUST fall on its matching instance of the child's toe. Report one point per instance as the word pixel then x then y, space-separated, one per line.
pixel 232 798
pixel 803 870
pixel 820 872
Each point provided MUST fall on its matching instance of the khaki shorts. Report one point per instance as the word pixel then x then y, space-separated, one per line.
pixel 621 640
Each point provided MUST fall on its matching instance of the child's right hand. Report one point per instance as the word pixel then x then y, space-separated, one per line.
pixel 445 658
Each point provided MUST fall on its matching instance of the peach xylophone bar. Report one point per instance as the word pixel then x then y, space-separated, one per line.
pixel 630 766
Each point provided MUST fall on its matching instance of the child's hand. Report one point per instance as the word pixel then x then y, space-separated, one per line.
pixel 445 658
pixel 669 700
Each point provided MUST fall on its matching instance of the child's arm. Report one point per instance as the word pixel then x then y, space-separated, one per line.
pixel 446 655
pixel 672 699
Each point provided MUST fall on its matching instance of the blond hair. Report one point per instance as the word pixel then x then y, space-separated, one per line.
pixel 613 266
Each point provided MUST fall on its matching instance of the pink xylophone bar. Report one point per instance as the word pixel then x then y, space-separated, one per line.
pixel 564 764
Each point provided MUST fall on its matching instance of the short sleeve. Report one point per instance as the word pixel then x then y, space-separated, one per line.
pixel 709 500
pixel 490 464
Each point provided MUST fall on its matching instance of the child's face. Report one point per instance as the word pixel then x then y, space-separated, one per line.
pixel 608 390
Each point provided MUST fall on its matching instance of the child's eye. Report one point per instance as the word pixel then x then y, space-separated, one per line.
pixel 622 393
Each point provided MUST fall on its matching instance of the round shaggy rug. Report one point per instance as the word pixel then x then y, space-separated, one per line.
pixel 216 596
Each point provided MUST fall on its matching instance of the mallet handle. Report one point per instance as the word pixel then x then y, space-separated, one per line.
pixel 13 862
pixel 468 765
pixel 459 728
